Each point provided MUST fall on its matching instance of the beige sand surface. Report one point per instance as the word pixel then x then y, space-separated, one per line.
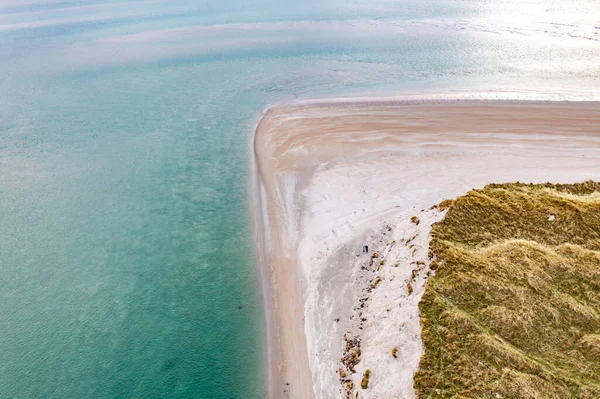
pixel 333 176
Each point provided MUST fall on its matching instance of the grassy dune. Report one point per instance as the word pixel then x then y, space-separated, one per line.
pixel 514 308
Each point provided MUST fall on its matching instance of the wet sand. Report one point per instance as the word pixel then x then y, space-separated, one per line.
pixel 332 176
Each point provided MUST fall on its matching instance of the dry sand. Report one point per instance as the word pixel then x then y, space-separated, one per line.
pixel 334 176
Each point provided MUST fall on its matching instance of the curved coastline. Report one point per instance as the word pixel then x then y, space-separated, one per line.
pixel 286 347
pixel 291 147
pixel 260 254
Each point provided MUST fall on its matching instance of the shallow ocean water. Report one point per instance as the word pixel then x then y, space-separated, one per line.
pixel 126 255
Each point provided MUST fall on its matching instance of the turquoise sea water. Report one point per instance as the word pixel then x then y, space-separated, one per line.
pixel 126 255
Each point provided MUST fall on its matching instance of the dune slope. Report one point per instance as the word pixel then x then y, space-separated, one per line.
pixel 514 308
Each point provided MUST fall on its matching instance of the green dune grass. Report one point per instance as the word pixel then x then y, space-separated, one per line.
pixel 514 308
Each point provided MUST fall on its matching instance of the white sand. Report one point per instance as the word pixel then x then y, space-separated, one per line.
pixel 336 176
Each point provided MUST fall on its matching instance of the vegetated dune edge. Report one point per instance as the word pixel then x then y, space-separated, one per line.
pixel 513 308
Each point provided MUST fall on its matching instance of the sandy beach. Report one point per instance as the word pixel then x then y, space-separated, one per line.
pixel 334 176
